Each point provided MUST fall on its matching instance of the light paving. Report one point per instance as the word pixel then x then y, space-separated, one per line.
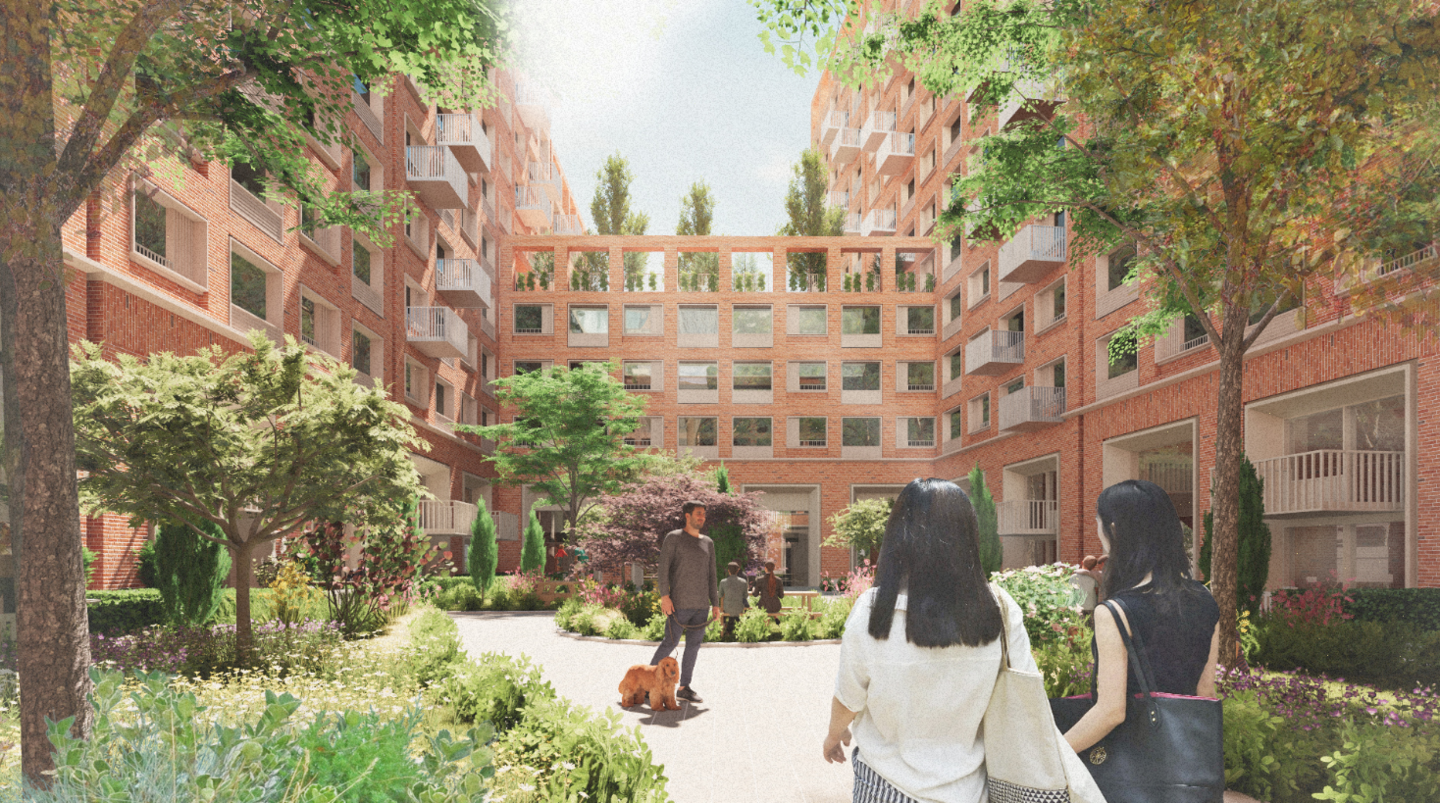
pixel 756 736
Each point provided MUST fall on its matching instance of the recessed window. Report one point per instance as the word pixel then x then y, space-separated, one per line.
pixel 638 320
pixel 360 171
pixel 1121 261
pixel 860 376
pixel 699 320
pixel 416 379
pixel 920 320
pixel 529 319
pixel 979 285
pixel 1057 302
pixel 920 432
pixel 443 400
pixel 360 351
pixel 528 366
pixel 811 375
pixel 957 422
pixel 980 413
pixel 860 321
pixel 589 320
pixel 956 305
pixel 247 286
pixel 637 375
pixel 360 261
pixel 751 376
pixel 697 431
pixel 752 321
pixel 1015 386
pixel 920 376
pixel 812 431
pixel 860 432
pixel 957 364
pixel 699 376
pixel 750 432
pixel 811 321
pixel 1127 360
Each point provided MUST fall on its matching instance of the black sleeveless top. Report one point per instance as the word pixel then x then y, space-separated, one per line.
pixel 1176 631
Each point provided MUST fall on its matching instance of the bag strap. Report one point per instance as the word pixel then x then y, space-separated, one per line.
pixel 1004 631
pixel 1138 662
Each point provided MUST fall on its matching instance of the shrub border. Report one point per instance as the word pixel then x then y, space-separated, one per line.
pixel 578 637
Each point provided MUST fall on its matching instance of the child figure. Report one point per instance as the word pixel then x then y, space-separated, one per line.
pixel 732 599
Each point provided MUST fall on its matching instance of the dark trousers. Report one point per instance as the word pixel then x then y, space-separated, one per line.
pixel 729 626
pixel 691 622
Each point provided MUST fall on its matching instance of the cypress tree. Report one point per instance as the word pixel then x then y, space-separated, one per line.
pixel 991 554
pixel 1252 563
pixel 532 553
pixel 722 480
pixel 484 554
pixel 190 572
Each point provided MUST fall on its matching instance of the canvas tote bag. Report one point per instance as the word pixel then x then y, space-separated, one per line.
pixel 1026 760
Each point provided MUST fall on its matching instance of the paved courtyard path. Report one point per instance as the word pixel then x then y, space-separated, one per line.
pixel 755 737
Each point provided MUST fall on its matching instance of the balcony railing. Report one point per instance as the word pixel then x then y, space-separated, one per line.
pixel 1333 480
pixel 568 224
pixel 530 103
pixel 1031 408
pixel 544 175
pixel 249 206
pixel 840 199
pixel 437 331
pixel 878 221
pixel 1028 517
pixel 994 352
pixel 462 283
pixel 446 517
pixel 464 135
pixel 1032 253
pixel 533 206
pixel 434 173
pixel 831 125
pixel 1030 97
pixel 896 152
pixel 852 223
pixel 845 147
pixel 877 127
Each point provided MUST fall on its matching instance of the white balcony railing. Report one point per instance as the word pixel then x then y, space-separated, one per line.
pixel 264 215
pixel 462 283
pixel 831 125
pixel 877 127
pixel 852 223
pixel 446 517
pixel 845 147
pixel 434 173
pixel 437 331
pixel 840 199
pixel 1028 517
pixel 994 352
pixel 1337 480
pixel 1032 253
pixel 878 221
pixel 896 152
pixel 533 206
pixel 568 224
pixel 464 135
pixel 1031 408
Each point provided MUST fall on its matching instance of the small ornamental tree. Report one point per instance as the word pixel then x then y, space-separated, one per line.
pixel 1252 568
pixel 991 554
pixel 636 520
pixel 861 526
pixel 532 552
pixel 484 554
pixel 361 599
pixel 189 572
pixel 722 480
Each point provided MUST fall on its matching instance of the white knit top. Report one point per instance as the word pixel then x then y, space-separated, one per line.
pixel 920 708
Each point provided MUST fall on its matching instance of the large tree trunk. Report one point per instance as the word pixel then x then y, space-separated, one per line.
pixel 244 577
pixel 1225 503
pixel 52 625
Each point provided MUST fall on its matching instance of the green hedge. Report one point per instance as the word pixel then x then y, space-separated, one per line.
pixel 1388 655
pixel 1418 606
pixel 124 611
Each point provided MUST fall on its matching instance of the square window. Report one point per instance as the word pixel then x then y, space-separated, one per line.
pixel 637 375
pixel 699 376
pixel 589 321
pixel 637 320
pixel 699 320
pixel 528 366
pixel 811 320
pixel 860 376
pixel 752 321
pixel 247 287
pixel 811 375
pixel 921 320
pixel 920 431
pixel 920 375
pixel 812 431
pixel 696 431
pixel 751 376
pixel 750 432
pixel 529 319
pixel 860 432
pixel 860 321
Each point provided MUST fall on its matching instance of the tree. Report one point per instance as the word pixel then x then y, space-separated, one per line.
pixel 861 526
pixel 266 441
pixel 991 553
pixel 1252 558
pixel 636 518
pixel 722 479
pixel 484 554
pixel 810 214
pixel 190 572
pixel 532 550
pixel 88 87
pixel 1245 179
pixel 697 212
pixel 567 441
pixel 610 208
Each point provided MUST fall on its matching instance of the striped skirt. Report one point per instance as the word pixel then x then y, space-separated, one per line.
pixel 871 788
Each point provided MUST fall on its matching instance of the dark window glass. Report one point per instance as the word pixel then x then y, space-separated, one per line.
pixel 150 226
pixel 247 286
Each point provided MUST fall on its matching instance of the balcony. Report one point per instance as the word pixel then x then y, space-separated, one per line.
pixel 567 224
pixel 878 221
pixel 831 125
pixel 435 175
pixel 895 154
pixel 994 352
pixel 840 199
pixel 1031 408
pixel 1030 98
pixel 852 223
pixel 532 204
pixel 465 138
pixel 1333 481
pixel 266 215
pixel 446 517
pixel 1028 517
pixel 437 332
pixel 531 106
pixel 846 147
pixel 462 283
pixel 544 175
pixel 1032 253
pixel 878 126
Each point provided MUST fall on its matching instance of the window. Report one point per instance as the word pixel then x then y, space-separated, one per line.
pixel 811 375
pixel 920 320
pixel 812 432
pixel 979 285
pixel 860 321
pixel 1128 358
pixel 360 171
pixel 699 320
pixel 1057 302
pixel 1057 375
pixel 860 432
pixel 750 432
pixel 1120 263
pixel 636 375
pixel 751 376
pixel 166 235
pixel 920 376
pixel 957 364
pixel 957 306
pixel 1193 330
pixel 645 434
pixel 920 431
pixel 248 177
pixel 150 227
pixel 752 321
pixel 956 423
pixel 360 351
pixel 637 320
pixel 1016 386
pixel 811 321
pixel 415 378
pixel 699 376
pixel 360 262
pixel 955 126
pixel 248 286
pixel 860 376
pixel 529 319
pixel 980 413
pixel 528 366
pixel 695 431
pixel 1015 321
pixel 1261 301
pixel 443 400
pixel 589 320
pixel 307 320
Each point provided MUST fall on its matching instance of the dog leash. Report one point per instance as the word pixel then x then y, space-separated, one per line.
pixel 710 618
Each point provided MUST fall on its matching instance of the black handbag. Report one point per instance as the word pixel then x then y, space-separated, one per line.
pixel 1169 749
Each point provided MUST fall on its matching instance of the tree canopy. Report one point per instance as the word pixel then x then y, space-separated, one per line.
pixel 697 212
pixel 809 213
pixel 861 526
pixel 610 209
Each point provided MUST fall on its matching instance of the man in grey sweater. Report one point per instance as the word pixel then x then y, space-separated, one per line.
pixel 688 585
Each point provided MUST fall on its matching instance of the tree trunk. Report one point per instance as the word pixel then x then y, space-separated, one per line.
pixel 244 577
pixel 52 630
pixel 1225 503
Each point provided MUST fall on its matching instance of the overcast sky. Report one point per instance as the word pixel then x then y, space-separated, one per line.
pixel 684 90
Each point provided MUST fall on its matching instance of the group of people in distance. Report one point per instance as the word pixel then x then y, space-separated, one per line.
pixel 921 650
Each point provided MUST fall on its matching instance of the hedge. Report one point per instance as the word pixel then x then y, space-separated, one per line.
pixel 1418 606
pixel 124 611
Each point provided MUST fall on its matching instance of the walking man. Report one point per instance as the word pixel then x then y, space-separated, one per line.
pixel 688 587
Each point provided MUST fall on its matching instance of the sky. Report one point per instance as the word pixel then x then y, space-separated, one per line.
pixel 684 90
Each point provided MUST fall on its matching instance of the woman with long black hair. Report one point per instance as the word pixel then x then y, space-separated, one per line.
pixel 920 656
pixel 1174 616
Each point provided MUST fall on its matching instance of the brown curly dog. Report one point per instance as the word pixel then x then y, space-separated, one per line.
pixel 658 682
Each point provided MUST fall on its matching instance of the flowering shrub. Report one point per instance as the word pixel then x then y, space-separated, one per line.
pixel 379 588
pixel 1317 605
pixel 280 649
pixel 291 593
pixel 1050 601
pixel 858 581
